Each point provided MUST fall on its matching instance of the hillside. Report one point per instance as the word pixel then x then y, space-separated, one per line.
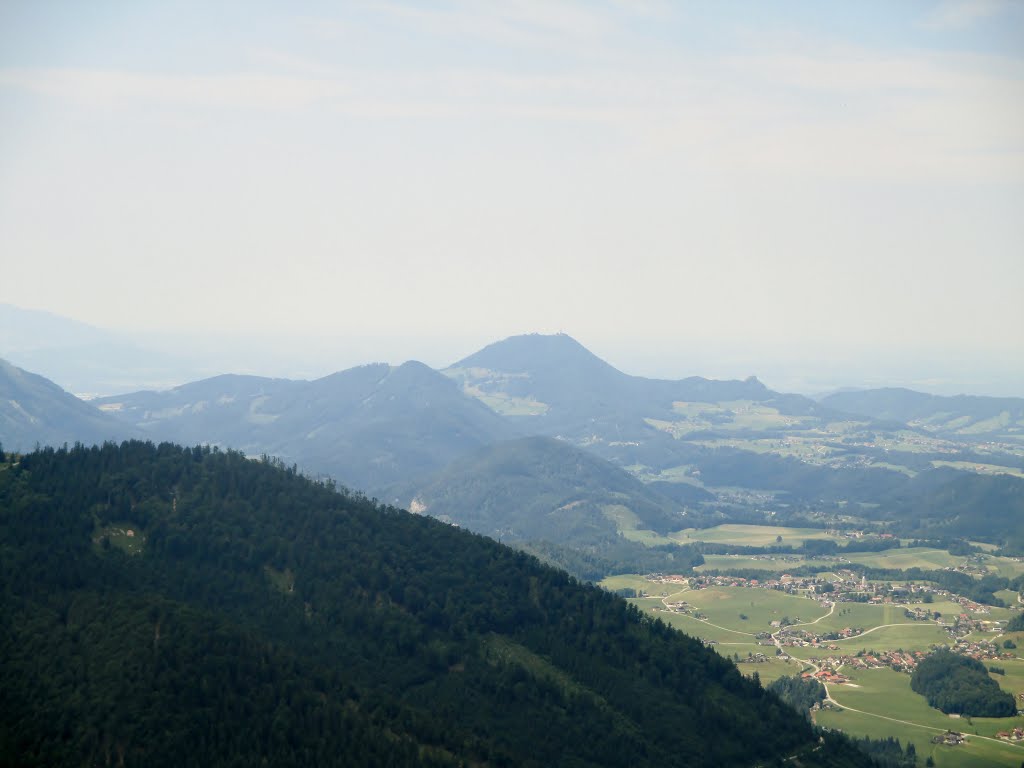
pixel 368 427
pixel 35 410
pixel 169 606
pixel 964 416
pixel 541 488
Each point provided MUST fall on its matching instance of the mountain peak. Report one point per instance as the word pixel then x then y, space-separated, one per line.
pixel 535 351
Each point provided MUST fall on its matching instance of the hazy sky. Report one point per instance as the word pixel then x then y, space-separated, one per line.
pixel 763 180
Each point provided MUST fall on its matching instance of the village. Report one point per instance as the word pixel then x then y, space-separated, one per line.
pixel 788 633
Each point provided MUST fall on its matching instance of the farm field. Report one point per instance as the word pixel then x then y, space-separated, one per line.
pixel 879 703
pixel 924 558
pixel 982 469
pixel 914 636
pixel 777 563
pixel 726 606
pixel 751 535
pixel 879 686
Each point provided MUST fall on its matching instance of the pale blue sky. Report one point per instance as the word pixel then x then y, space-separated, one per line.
pixel 771 183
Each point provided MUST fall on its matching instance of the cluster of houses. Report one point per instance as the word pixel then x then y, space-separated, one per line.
pixel 982 650
pixel 1017 734
pixel 903 661
pixel 949 738
pixel 805 638
pixel 783 583
pixel 828 676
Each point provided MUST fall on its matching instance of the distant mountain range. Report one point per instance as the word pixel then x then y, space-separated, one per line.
pixel 449 442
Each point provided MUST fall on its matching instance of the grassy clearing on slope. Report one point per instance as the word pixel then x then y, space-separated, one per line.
pixel 124 535
pixel 628 524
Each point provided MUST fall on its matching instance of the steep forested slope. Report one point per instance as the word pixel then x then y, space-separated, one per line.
pixel 541 488
pixel 265 617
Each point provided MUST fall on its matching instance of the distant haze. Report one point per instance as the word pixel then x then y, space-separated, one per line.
pixel 822 194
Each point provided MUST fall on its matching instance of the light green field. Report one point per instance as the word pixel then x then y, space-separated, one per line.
pixel 884 692
pixel 736 414
pixel 810 450
pixel 976 754
pixel 981 469
pixel 777 563
pixel 768 671
pixel 862 615
pixel 750 535
pixel 679 474
pixel 628 524
pixel 919 636
pixel 917 557
pixel 724 605
pixel 1013 680
pixel 638 582
pixel 1005 566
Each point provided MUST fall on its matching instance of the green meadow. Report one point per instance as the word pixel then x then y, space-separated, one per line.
pixel 883 697
pixel 751 535
pixel 777 563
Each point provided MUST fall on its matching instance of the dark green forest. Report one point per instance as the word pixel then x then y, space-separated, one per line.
pixel 801 694
pixel 961 685
pixel 253 616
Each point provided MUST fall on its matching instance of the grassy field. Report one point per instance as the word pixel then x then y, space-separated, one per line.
pixel 777 563
pixel 628 524
pixel 981 469
pixel 917 557
pixel 862 615
pixel 726 607
pixel 884 692
pixel 919 636
pixel 751 535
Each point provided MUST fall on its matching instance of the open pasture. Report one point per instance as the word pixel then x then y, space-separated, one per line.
pixel 1009 567
pixel 887 693
pixel 862 615
pixel 975 754
pixel 751 535
pixel 926 558
pixel 726 606
pixel 776 563
pixel 915 636
pixel 981 469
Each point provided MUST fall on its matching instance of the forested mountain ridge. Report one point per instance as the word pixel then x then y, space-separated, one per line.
pixel 34 410
pixel 367 427
pixel 540 488
pixel 721 450
pixel 170 606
